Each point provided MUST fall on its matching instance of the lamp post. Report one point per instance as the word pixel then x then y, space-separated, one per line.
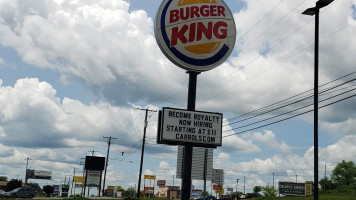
pixel 237 183
pixel 26 175
pixel 315 11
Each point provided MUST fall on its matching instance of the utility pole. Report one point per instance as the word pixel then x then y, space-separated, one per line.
pixel 82 193
pixel 173 180
pixel 325 178
pixel 73 181
pixel 27 159
pixel 107 160
pixel 296 178
pixel 143 149
pixel 92 152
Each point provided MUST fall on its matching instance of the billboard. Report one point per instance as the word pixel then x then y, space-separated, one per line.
pixel 183 127
pixel 94 163
pixel 38 174
pixel 291 188
pixel 79 179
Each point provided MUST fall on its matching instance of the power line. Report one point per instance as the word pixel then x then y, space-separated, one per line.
pixel 288 117
pixel 290 111
pixel 283 103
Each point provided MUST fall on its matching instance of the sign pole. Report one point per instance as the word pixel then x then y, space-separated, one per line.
pixel 188 149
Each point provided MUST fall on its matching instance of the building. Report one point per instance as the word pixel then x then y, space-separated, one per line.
pixel 169 192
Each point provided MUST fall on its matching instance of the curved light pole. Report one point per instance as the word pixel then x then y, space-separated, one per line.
pixel 315 11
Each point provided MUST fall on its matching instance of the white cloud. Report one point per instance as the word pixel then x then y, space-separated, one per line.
pixel 269 139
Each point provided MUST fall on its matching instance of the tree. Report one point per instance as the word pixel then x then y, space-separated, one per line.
pixel 326 184
pixel 48 189
pixel 3 178
pixel 257 189
pixel 269 191
pixel 130 192
pixel 35 186
pixel 13 184
pixel 344 173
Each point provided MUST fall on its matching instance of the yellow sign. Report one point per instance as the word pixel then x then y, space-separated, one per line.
pixel 219 191
pixel 112 188
pixel 79 179
pixel 149 177
pixel 308 189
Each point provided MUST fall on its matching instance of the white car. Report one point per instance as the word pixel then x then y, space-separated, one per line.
pixel 2 193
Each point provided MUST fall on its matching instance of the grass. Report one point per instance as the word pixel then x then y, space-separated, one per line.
pixel 332 196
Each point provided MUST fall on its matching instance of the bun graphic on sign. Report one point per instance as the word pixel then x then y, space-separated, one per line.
pixel 196 35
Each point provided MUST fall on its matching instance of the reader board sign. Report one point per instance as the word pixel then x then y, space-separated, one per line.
pixel 93 178
pixel 38 174
pixel 183 127
pixel 291 188
pixel 196 35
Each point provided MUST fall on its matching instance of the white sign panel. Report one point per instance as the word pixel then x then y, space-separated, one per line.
pixel 199 128
pixel 218 176
pixel 93 178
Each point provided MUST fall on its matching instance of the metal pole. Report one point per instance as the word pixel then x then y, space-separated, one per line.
pixel 71 190
pixel 205 170
pixel 316 84
pixel 244 184
pixel 26 177
pixel 237 184
pixel 188 149
pixel 273 180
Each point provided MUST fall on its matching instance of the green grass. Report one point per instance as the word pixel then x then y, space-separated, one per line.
pixel 332 196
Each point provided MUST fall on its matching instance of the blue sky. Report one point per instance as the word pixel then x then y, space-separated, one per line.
pixel 72 72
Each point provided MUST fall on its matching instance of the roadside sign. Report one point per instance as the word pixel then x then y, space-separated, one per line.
pixel 196 35
pixel 219 191
pixel 182 127
pixel 149 177
pixel 291 188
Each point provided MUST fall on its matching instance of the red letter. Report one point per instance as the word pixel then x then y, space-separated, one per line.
pixel 194 10
pixel 213 11
pixel 173 16
pixel 207 31
pixel 223 33
pixel 221 11
pixel 179 34
pixel 192 31
pixel 204 11
pixel 182 17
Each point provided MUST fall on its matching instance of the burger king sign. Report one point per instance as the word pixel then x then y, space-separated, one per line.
pixel 196 35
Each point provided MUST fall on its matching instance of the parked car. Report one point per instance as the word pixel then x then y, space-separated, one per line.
pixel 2 193
pixel 23 192
pixel 206 198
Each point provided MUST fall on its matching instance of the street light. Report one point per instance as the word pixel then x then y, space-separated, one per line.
pixel 315 11
pixel 237 183
pixel 26 175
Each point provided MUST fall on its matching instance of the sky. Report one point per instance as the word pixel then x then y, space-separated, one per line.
pixel 75 71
